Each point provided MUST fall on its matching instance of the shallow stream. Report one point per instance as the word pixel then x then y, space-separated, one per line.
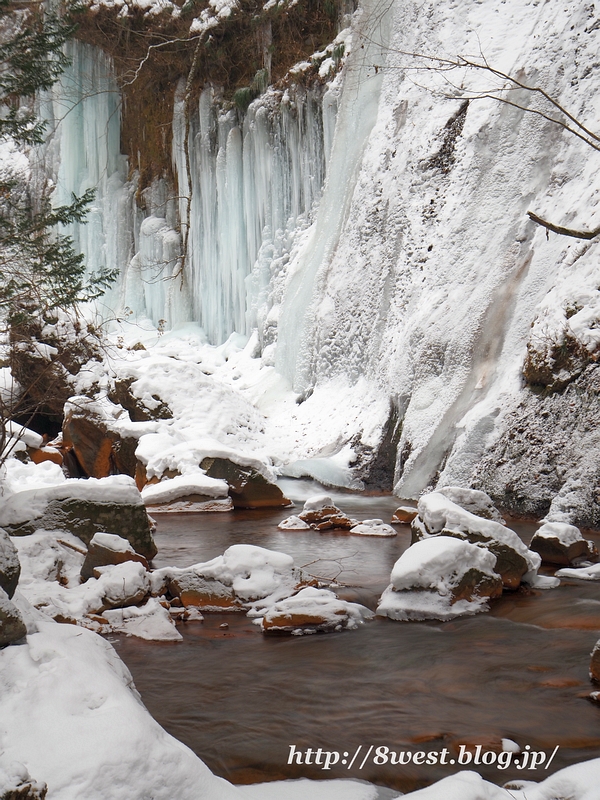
pixel 240 699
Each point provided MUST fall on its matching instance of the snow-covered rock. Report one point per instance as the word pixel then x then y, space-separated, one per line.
pixel 373 527
pixel 472 500
pixel 12 627
pixel 243 574
pixel 83 507
pixel 560 543
pixel 595 663
pixel 589 573
pixel 312 610
pixel 108 548
pixel 321 513
pixel 193 491
pixel 440 578
pixel 440 516
pixel 293 523
pixel 10 568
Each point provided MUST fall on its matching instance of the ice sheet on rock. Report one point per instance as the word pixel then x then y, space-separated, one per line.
pixel 315 607
pixel 171 489
pixel 472 500
pixel 373 527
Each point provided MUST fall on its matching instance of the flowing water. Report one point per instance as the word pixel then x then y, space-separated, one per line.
pixel 240 699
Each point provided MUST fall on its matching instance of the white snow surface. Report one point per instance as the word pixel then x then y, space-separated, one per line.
pixel 566 534
pixel 111 541
pixel 293 523
pixel 166 491
pixel 373 527
pixel 439 563
pixel 590 573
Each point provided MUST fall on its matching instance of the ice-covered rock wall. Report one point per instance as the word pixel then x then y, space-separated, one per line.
pixel 422 273
pixel 415 282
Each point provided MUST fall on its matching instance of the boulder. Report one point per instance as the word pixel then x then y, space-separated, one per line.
pixel 312 610
pixel 439 516
pixel 105 549
pixel 119 586
pixel 203 593
pixel 41 454
pixel 82 507
pixel 100 451
pixel 404 515
pixel 440 578
pixel 12 627
pixel 10 569
pixel 595 663
pixel 559 543
pixel 247 487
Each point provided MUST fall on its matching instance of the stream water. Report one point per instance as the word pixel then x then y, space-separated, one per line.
pixel 240 699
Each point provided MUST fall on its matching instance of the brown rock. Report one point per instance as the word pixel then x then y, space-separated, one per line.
pixel 321 515
pixel 204 593
pixel 100 554
pixel 39 455
pixel 290 622
pixel 247 487
pixel 553 551
pixel 404 515
pixel 477 584
pixel 99 451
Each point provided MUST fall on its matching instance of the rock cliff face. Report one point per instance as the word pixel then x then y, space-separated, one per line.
pixel 372 228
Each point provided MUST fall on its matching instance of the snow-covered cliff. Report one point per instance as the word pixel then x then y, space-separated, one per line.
pixel 373 231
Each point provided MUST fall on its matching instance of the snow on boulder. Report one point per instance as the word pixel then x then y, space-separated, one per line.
pixel 243 574
pixel 119 586
pixel 17 432
pixel 293 523
pixel 373 527
pixel 108 548
pixel 474 501
pixel 191 492
pixel 440 516
pixel 313 610
pixel 82 507
pixel 560 543
pixel 440 578
pixel 150 621
pixel 10 569
pixel 12 627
